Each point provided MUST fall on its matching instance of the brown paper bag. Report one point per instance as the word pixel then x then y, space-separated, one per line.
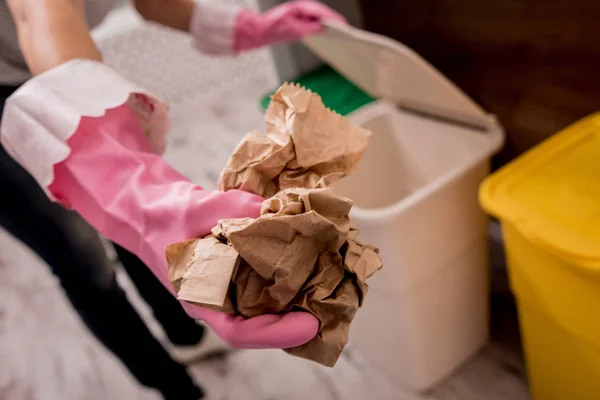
pixel 197 270
pixel 282 248
pixel 302 253
pixel 306 146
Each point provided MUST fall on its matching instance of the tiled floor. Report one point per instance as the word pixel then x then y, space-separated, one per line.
pixel 47 354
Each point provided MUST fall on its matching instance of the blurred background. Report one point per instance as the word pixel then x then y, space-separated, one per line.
pixel 532 63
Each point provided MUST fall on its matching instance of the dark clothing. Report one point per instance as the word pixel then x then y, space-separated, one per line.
pixel 75 254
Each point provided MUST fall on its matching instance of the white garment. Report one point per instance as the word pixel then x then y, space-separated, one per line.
pixel 44 113
pixel 13 69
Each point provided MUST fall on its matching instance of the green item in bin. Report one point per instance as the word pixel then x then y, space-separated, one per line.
pixel 338 93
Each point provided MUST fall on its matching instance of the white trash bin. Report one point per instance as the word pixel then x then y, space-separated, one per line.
pixel 415 195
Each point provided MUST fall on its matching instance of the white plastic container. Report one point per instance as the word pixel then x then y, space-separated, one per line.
pixel 416 198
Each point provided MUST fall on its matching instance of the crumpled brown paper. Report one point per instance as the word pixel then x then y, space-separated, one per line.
pixel 198 268
pixel 302 252
pixel 306 146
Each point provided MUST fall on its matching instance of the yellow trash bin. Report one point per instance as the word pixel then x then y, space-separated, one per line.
pixel 548 202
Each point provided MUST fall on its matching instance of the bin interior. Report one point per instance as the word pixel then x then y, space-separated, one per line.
pixel 338 93
pixel 406 153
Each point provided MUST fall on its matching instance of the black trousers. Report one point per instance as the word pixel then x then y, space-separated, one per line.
pixel 73 251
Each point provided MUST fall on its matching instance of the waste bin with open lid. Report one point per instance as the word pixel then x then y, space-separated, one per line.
pixel 415 195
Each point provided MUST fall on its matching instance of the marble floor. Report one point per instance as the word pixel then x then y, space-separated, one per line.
pixel 47 354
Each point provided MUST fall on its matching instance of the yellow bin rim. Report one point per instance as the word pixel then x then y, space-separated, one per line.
pixel 551 194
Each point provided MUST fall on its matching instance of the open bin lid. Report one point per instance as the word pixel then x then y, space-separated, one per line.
pixel 389 70
pixel 552 193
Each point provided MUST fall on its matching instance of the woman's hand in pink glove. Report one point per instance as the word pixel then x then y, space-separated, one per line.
pixel 280 331
pixel 137 200
pixel 285 23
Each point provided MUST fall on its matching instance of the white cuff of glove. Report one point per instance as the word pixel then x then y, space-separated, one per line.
pixel 213 27
pixel 44 113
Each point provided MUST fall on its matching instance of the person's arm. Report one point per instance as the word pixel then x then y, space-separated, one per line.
pixel 45 26
pixel 219 28
pixel 78 128
pixel 175 14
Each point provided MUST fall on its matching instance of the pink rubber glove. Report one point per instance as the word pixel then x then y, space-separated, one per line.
pixel 137 200
pixel 282 24
pixel 220 29
pixel 90 138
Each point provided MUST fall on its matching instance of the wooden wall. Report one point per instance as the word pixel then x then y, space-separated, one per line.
pixel 533 63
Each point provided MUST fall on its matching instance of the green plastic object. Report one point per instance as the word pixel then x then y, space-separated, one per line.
pixel 338 93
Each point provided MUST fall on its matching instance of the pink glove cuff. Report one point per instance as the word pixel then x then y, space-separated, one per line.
pixel 212 27
pixel 41 116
